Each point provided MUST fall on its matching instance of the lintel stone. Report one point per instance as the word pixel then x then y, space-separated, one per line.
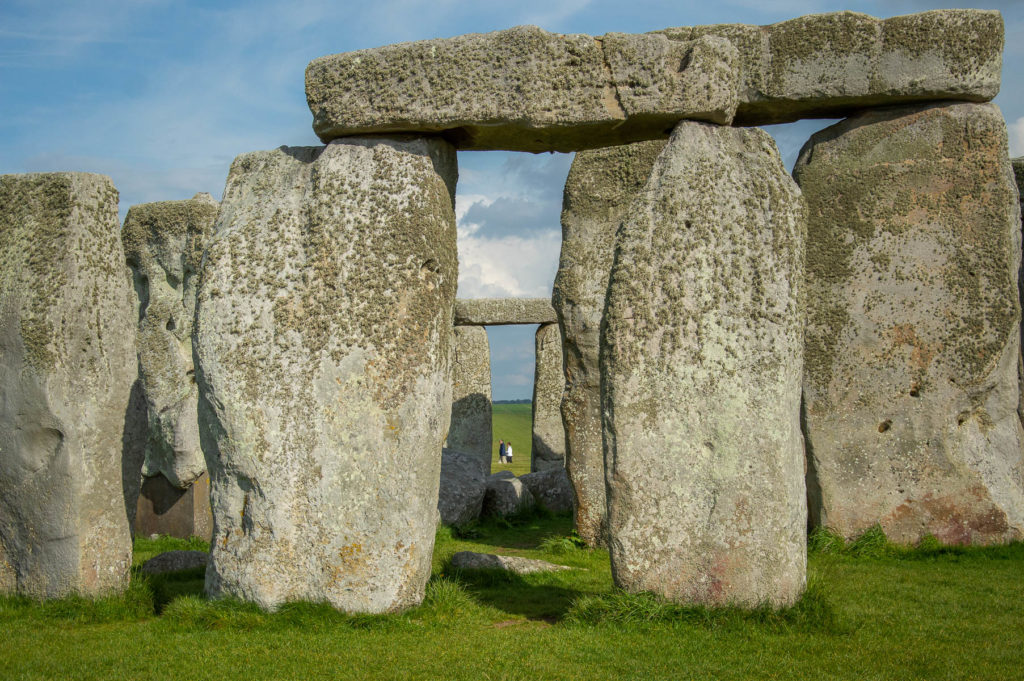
pixel 504 311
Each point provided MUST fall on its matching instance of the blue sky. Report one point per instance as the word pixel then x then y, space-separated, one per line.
pixel 161 95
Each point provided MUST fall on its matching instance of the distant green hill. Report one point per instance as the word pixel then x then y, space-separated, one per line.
pixel 512 422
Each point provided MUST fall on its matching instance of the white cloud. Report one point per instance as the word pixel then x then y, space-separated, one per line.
pixel 1016 131
pixel 508 266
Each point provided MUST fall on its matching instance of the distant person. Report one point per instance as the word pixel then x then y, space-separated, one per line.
pixel 508 452
pixel 501 451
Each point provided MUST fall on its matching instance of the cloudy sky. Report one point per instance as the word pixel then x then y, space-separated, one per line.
pixel 161 95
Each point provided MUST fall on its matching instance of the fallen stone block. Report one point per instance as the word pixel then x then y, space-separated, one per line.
pixel 469 560
pixel 602 184
pixel 910 384
pixel 67 365
pixel 323 337
pixel 175 561
pixel 461 496
pixel 551 489
pixel 702 345
pixel 506 495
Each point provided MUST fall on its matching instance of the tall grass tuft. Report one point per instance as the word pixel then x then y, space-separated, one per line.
pixel 561 545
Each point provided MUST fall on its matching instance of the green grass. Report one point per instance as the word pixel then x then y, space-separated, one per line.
pixel 512 422
pixel 872 611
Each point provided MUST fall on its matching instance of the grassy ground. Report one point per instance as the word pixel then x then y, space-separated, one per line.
pixel 872 612
pixel 512 422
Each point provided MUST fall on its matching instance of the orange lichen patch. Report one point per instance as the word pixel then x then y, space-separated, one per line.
pixel 904 334
pixel 966 518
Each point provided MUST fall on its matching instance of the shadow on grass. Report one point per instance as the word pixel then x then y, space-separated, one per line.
pixel 537 596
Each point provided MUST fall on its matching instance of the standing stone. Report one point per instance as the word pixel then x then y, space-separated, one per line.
pixel 913 326
pixel 600 187
pixel 67 364
pixel 1018 171
pixel 323 333
pixel 163 244
pixel 461 495
pixel 548 446
pixel 469 432
pixel 700 375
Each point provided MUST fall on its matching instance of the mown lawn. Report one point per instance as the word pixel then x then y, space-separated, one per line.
pixel 512 422
pixel 872 612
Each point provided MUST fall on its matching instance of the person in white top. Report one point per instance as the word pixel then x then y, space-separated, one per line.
pixel 508 452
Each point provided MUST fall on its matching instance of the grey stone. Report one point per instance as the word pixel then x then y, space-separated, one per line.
pixel 1018 171
pixel 469 431
pixel 164 244
pixel 67 365
pixel 165 509
pixel 602 184
pixel 323 338
pixel 502 475
pixel 503 311
pixel 528 90
pixel 506 495
pixel 700 376
pixel 461 496
pixel 912 341
pixel 551 489
pixel 832 65
pixel 174 561
pixel 525 89
pixel 548 446
pixel 469 560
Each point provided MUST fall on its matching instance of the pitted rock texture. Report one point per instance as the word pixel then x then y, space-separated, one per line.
pixel 548 446
pixel 470 560
pixel 831 65
pixel 503 311
pixel 700 376
pixel 912 341
pixel 164 244
pixel 525 89
pixel 1018 171
pixel 67 365
pixel 550 489
pixel 602 184
pixel 506 495
pixel 469 431
pixel 461 496
pixel 323 336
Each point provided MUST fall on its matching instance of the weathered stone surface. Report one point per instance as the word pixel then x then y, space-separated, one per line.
pixel 1018 171
pixel 67 365
pixel 602 184
pixel 469 431
pixel 551 489
pixel 831 65
pixel 910 387
pixel 164 243
pixel 173 561
pixel 700 376
pixel 528 90
pixel 525 89
pixel 503 311
pixel 506 495
pixel 164 508
pixel 461 496
pixel 323 336
pixel 548 446
pixel 469 560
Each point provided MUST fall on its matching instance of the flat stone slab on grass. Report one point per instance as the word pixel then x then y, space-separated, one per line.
pixel 524 89
pixel 503 311
pixel 469 560
pixel 174 561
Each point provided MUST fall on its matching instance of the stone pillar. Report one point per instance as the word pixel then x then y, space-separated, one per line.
pixel 913 336
pixel 323 338
pixel 548 446
pixel 600 187
pixel 1018 171
pixel 701 358
pixel 164 244
pixel 470 429
pixel 67 365
pixel 164 508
